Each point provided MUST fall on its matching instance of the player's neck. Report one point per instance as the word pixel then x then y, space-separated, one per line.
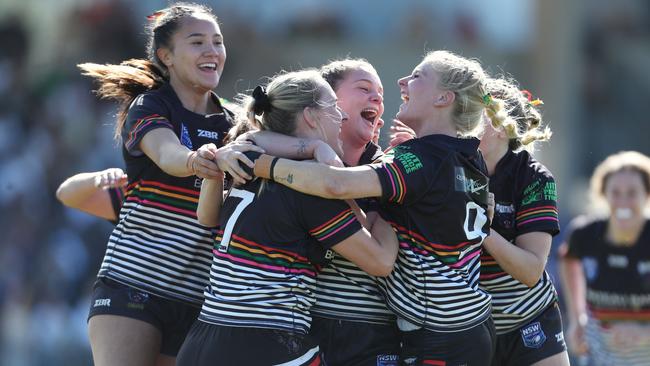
pixel 352 152
pixel 192 99
pixel 625 234
pixel 492 155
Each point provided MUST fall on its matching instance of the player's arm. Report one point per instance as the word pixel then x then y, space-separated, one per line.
pixel 164 148
pixel 373 251
pixel 524 261
pixel 88 192
pixel 319 179
pixel 210 201
pixel 291 147
pixel 575 290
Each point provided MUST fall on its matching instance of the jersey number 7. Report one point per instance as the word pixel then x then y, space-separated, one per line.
pixel 246 199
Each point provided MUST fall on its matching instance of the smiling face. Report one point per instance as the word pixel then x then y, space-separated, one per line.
pixel 626 195
pixel 419 92
pixel 330 117
pixel 197 54
pixel 360 95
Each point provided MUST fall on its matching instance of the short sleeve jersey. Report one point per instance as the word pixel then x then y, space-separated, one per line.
pixel 158 244
pixel 525 201
pixel 435 196
pixel 618 277
pixel 346 292
pixel 261 274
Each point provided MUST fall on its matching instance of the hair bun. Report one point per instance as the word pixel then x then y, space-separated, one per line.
pixel 262 103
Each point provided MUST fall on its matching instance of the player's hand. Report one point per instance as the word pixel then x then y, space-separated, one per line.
pixel 323 153
pixel 576 339
pixel 202 162
pixel 376 130
pixel 490 207
pixel 229 156
pixel 399 132
pixel 111 178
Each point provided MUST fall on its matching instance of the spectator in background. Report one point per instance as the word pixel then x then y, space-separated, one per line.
pixel 605 267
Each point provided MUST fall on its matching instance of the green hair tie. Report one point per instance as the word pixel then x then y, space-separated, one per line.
pixel 487 99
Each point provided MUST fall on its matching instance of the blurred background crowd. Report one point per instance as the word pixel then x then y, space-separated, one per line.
pixel 588 61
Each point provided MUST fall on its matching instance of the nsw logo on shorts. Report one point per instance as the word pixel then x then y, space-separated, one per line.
pixel 387 360
pixel 533 335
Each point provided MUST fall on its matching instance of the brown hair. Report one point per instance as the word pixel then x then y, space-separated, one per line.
pixel 335 71
pixel 124 82
pixel 622 161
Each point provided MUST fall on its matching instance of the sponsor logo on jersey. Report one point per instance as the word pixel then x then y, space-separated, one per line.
pixel 643 267
pixel 533 335
pixel 590 265
pixel 329 254
pixel 102 302
pixel 185 137
pixel 465 184
pixel 503 209
pixel 532 193
pixel 617 261
pixel 409 161
pixel 197 182
pixel 208 134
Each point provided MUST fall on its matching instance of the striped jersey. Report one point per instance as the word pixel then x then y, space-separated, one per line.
pixel 618 292
pixel 158 245
pixel 343 290
pixel 525 201
pixel 434 194
pixel 262 275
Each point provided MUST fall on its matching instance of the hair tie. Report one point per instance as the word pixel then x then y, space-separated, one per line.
pixel 529 96
pixel 487 99
pixel 155 15
pixel 262 103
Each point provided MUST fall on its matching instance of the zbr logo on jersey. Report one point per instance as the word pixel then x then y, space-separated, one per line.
pixel 214 135
pixel 185 137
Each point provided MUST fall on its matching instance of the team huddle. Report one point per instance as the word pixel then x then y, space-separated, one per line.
pixel 276 231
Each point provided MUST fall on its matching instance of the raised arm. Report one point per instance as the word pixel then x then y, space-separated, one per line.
pixel 319 179
pixel 165 149
pixel 89 192
pixel 210 201
pixel 292 147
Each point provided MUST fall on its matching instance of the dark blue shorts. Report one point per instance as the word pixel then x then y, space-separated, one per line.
pixel 216 345
pixel 473 346
pixel 538 339
pixel 172 318
pixel 347 343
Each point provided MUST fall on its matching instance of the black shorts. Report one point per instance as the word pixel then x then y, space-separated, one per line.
pixel 346 343
pixel 216 345
pixel 473 347
pixel 538 339
pixel 172 318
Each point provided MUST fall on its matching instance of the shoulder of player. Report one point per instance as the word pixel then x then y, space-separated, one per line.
pixel 585 225
pixel 153 99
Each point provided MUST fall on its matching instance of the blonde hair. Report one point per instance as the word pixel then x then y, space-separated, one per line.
pixel 623 161
pixel 466 79
pixel 289 93
pixel 523 122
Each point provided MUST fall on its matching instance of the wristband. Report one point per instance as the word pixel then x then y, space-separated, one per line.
pixel 271 170
pixel 189 163
pixel 262 167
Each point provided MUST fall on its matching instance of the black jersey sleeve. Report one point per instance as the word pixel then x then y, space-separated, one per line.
pixel 403 176
pixel 147 112
pixel 537 204
pixel 117 198
pixel 328 221
pixel 578 244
